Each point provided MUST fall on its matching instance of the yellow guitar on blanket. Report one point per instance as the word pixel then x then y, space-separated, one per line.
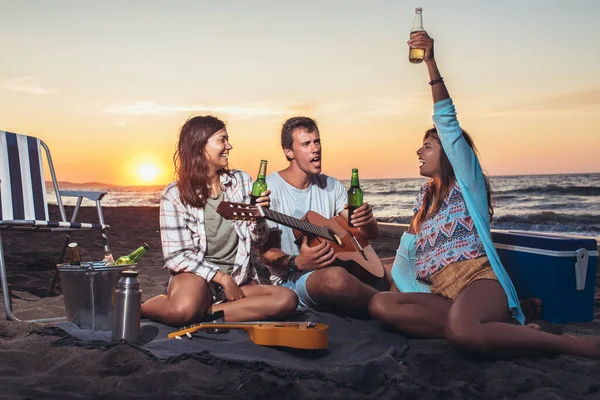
pixel 298 335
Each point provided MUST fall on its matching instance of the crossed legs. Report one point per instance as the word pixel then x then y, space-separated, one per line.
pixel 189 299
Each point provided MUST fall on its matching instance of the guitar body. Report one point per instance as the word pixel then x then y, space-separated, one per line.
pixel 353 249
pixel 298 335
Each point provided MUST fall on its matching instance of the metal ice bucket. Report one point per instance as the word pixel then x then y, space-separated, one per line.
pixel 89 292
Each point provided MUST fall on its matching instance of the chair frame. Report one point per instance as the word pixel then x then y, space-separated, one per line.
pixel 26 225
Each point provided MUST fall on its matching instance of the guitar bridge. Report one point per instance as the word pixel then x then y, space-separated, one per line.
pixel 358 246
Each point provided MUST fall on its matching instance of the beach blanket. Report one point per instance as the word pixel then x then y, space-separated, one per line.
pixel 361 354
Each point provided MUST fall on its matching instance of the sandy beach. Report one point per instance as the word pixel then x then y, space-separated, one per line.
pixel 35 364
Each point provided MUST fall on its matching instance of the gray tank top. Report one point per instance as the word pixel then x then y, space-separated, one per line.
pixel 221 238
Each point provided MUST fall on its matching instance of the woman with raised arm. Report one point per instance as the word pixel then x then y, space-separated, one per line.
pixel 210 257
pixel 471 300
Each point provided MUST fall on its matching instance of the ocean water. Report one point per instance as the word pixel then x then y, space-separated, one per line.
pixel 568 203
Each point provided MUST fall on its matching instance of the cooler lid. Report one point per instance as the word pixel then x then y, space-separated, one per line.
pixel 544 241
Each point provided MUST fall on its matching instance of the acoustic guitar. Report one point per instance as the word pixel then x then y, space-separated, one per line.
pixel 352 248
pixel 298 335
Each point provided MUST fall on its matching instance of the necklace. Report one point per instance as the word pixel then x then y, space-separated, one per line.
pixel 212 192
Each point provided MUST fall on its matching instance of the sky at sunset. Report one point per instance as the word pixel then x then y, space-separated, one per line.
pixel 108 84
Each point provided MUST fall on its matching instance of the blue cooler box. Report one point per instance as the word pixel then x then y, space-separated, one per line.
pixel 559 270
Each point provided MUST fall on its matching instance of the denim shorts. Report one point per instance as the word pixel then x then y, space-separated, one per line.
pixel 298 285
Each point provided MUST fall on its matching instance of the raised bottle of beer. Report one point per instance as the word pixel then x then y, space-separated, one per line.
pixel 260 185
pixel 355 195
pixel 132 257
pixel 74 258
pixel 415 56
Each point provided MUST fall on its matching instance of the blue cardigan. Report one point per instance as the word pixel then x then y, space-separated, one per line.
pixel 469 177
pixel 472 185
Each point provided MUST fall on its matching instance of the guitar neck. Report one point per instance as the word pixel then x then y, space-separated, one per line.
pixel 246 326
pixel 297 224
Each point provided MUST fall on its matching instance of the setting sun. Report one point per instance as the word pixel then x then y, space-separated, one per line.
pixel 144 169
pixel 147 172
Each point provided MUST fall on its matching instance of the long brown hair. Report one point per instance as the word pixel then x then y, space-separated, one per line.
pixel 440 188
pixel 191 168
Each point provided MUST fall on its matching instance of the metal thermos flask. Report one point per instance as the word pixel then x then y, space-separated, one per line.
pixel 128 308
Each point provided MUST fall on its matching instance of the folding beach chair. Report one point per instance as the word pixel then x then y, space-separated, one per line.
pixel 23 203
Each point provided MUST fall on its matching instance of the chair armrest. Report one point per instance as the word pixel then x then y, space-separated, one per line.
pixel 94 196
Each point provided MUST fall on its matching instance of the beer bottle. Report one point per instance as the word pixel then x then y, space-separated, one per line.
pixel 74 258
pixel 260 185
pixel 108 259
pixel 355 195
pixel 132 257
pixel 415 56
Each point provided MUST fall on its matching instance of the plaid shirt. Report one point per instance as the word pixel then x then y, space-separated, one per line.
pixel 183 233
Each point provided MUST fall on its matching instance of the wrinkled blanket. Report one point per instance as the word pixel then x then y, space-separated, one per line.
pixel 361 354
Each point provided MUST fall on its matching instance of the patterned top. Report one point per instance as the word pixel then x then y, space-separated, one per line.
pixel 447 237
pixel 183 233
pixel 469 177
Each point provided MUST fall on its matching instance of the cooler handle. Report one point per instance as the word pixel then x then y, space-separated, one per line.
pixel 581 268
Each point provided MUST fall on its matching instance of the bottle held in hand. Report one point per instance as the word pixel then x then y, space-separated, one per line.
pixel 132 257
pixel 355 195
pixel 260 185
pixel 415 56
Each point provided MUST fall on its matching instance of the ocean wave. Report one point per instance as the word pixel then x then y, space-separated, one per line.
pixel 552 190
pixel 545 221
pixel 407 192
pixel 550 217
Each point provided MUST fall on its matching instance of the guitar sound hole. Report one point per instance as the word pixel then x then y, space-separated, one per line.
pixel 336 238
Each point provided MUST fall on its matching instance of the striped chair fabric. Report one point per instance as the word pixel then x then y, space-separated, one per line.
pixel 23 188
pixel 23 203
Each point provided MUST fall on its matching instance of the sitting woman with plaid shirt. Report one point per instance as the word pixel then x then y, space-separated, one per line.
pixel 209 257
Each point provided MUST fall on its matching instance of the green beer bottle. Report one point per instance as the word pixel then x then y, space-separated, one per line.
pixel 355 195
pixel 260 185
pixel 132 257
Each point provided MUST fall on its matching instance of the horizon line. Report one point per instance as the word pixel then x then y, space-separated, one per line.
pixel 341 180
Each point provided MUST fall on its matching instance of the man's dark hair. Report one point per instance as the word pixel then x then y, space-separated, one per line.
pixel 292 124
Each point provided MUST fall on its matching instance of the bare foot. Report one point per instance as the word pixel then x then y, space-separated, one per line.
pixel 583 345
pixel 532 308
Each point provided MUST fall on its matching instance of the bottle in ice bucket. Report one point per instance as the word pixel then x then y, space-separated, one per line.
pixel 260 185
pixel 355 195
pixel 108 259
pixel 415 56
pixel 132 257
pixel 128 308
pixel 74 258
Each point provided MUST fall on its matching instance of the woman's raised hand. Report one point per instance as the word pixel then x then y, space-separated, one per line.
pixel 421 40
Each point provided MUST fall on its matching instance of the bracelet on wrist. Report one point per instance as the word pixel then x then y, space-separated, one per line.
pixel 291 264
pixel 434 81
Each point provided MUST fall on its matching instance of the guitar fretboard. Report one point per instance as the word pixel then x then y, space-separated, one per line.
pixel 297 224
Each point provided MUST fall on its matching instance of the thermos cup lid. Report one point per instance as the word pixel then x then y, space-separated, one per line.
pixel 129 273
